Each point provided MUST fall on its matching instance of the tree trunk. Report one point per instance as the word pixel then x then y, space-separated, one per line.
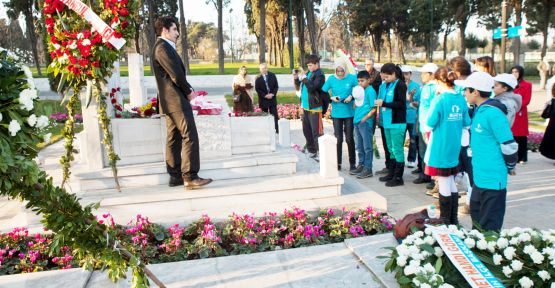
pixel 401 50
pixel 262 38
pixel 388 46
pixel 32 37
pixel 183 36
pixel 300 35
pixel 445 36
pixel 462 28
pixel 516 41
pixel 492 48
pixel 311 23
pixel 151 33
pixel 221 52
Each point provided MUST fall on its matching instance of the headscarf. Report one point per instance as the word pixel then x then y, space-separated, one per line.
pixel 344 71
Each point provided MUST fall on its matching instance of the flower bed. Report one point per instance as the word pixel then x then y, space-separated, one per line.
pixel 241 234
pixel 60 117
pixel 534 141
pixel 517 257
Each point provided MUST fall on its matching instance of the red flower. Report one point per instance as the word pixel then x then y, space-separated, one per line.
pixel 118 115
pixel 124 12
pixel 118 107
pixel 95 63
pixel 114 100
pixel 118 89
pixel 85 51
pixel 117 34
pixel 113 91
pixel 124 24
pixel 83 62
pixel 72 60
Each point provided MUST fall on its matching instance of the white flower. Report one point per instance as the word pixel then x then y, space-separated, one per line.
pixel 428 231
pixel 32 120
pixel 516 265
pixel 26 99
pixel 509 253
pixel 445 285
pixel 476 234
pixel 86 42
pixel 403 250
pixel 491 246
pixel 0 65
pixel 430 240
pixel 529 249
pixel 438 251
pixel 552 284
pixel 42 122
pixel 80 36
pixel 514 241
pixel 497 259
pixel 401 260
pixel 548 251
pixel 537 257
pixel 47 137
pixel 524 237
pixel 57 46
pixel 415 263
pixel 1 117
pixel 416 282
pixel 424 285
pixel 470 243
pixel 418 241
pixel 409 270
pixel 544 275
pixel 525 282
pixel 429 268
pixel 482 244
pixel 507 271
pixel 418 234
pixel 73 45
pixel 14 127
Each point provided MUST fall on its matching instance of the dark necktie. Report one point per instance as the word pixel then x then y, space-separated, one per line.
pixel 266 82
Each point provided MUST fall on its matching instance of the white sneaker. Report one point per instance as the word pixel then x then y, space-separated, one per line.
pixel 411 164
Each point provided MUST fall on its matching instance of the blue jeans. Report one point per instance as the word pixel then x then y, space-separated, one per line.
pixel 363 144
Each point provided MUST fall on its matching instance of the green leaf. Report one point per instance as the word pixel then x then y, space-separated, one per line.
pixel 438 265
pixel 403 280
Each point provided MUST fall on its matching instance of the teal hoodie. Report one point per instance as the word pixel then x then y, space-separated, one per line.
pixel 361 111
pixel 342 88
pixel 427 94
pixel 447 116
pixel 490 128
pixel 411 111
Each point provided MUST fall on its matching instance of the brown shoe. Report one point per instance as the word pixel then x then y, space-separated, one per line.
pixel 197 183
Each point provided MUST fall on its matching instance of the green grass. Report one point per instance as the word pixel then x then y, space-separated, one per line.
pixel 56 130
pixel 204 69
pixel 48 107
pixel 282 98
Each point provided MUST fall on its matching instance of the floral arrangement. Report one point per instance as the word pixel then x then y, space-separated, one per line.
pixel 517 257
pixel 289 111
pixel 118 109
pixel 534 141
pixel 240 234
pixel 148 109
pixel 60 117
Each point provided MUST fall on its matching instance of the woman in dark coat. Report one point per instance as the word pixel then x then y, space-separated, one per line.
pixel 242 92
pixel 547 147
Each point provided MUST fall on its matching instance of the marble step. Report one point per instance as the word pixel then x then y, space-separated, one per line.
pixel 236 167
pixel 167 205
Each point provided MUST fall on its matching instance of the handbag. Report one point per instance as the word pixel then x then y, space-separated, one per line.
pixel 237 98
pixel 413 222
pixel 546 114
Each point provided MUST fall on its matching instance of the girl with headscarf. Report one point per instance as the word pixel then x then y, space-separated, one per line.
pixel 340 88
pixel 242 92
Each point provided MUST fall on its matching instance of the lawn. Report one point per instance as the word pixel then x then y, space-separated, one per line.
pixel 282 97
pixel 205 69
pixel 48 107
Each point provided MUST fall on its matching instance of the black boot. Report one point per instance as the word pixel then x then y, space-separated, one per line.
pixel 390 171
pixel 455 208
pixel 397 175
pixel 445 209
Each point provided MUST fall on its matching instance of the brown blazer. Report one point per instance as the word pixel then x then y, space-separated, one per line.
pixel 169 71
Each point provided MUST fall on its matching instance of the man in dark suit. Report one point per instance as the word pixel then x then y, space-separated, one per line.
pixel 174 94
pixel 266 86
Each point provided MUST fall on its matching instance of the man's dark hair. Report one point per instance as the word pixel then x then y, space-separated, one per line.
pixel 363 74
pixel 506 86
pixel 312 59
pixel 484 94
pixel 164 22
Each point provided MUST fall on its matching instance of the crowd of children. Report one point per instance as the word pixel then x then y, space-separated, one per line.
pixel 463 120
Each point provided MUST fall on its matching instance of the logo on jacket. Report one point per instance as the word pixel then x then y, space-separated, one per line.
pixel 455 114
pixel 478 128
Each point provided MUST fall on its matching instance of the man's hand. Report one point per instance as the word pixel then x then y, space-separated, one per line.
pixel 269 96
pixel 335 99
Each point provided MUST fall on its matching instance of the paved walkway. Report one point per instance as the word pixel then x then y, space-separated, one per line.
pixel 531 193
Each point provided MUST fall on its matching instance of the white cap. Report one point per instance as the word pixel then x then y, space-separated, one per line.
pixel 506 78
pixel 481 81
pixel 406 69
pixel 358 94
pixel 429 67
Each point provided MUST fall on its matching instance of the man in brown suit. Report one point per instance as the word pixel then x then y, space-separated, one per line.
pixel 174 94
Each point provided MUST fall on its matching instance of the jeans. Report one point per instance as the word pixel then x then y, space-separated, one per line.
pixel 363 143
pixel 395 142
pixel 340 126
pixel 413 144
pixel 487 208
pixel 312 129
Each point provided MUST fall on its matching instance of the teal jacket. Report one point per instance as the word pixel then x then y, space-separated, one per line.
pixel 411 111
pixel 427 94
pixel 447 116
pixel 342 88
pixel 490 129
pixel 361 111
